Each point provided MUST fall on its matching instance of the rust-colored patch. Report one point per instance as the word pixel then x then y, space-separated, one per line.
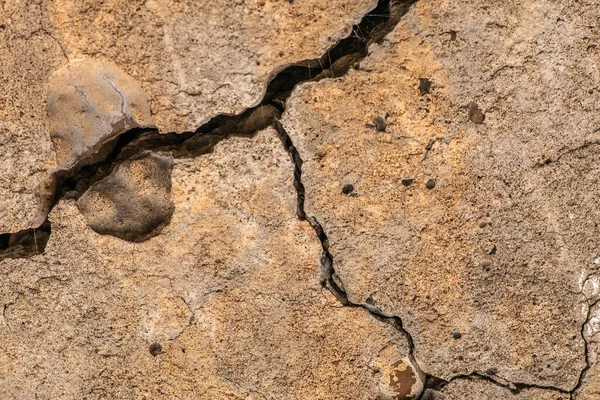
pixel 402 379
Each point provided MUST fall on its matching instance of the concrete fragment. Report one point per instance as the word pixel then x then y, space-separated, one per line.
pixel 28 57
pixel 89 104
pixel 134 202
pixel 200 59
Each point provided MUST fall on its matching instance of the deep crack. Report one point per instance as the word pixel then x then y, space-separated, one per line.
pixel 336 61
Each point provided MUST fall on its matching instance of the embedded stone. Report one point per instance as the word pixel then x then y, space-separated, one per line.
pixel 89 104
pixel 134 202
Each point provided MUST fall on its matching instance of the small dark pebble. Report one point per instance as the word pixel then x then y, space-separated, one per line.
pixel 486 347
pixel 493 250
pixel 456 335
pixel 407 181
pixel 475 114
pixel 218 261
pixel 486 263
pixel 491 371
pixel 591 91
pixel 483 224
pixel 424 86
pixel 155 349
pixel 430 184
pixel 460 358
pixel 348 188
pixel 380 123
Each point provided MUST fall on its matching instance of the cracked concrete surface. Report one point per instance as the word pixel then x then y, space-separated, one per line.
pixel 210 289
pixel 193 61
pixel 437 255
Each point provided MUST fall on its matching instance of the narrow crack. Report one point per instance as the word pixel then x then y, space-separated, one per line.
pixel 10 303
pixel 329 279
pixel 565 152
pixel 192 312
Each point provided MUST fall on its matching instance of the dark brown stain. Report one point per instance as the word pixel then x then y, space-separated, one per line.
pixel 402 379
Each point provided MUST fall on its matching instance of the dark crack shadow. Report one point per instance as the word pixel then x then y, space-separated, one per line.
pixel 336 61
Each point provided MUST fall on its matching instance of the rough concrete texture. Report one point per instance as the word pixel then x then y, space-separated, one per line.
pixel 196 60
pixel 484 254
pixel 450 176
pixel 134 202
pixel 89 104
pixel 28 57
pixel 230 289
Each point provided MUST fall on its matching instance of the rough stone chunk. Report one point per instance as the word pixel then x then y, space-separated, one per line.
pixel 134 202
pixel 89 103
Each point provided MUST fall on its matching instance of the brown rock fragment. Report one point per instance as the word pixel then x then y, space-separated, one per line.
pixel 380 123
pixel 475 114
pixel 89 104
pixel 134 202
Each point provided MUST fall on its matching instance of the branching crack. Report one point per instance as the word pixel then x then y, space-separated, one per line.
pixel 336 62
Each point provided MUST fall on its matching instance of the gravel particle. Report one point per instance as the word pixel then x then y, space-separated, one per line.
pixel 475 114
pixel 407 181
pixel 380 123
pixel 348 188
pixel 483 224
pixel 430 184
pixel 155 349
pixel 486 262
pixel 456 335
